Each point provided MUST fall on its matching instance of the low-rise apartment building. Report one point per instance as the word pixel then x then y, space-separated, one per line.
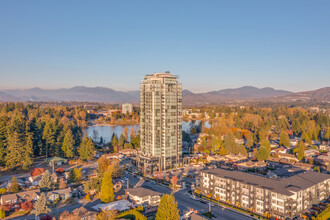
pixel 281 197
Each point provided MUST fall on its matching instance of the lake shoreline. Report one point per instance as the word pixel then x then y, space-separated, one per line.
pixel 102 125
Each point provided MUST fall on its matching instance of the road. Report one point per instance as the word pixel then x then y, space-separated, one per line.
pixel 53 212
pixel 185 203
pixel 7 178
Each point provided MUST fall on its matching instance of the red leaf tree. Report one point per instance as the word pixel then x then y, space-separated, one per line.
pixel 7 207
pixel 174 180
pixel 37 171
pixel 59 170
pixel 27 205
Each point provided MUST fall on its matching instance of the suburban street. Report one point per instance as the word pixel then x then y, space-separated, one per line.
pixel 185 203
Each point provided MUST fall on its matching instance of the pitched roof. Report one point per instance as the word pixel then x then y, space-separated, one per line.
pixel 82 212
pixel 60 191
pixel 142 192
pixel 26 195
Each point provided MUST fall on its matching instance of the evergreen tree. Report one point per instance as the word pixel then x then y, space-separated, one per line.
pixel 107 194
pixel 229 142
pixel 326 135
pixel 300 150
pixel 266 144
pixel 75 175
pixel 68 144
pixel 222 151
pixel 27 153
pixel 122 140
pixel 3 139
pixel 86 150
pixel 40 206
pixel 262 153
pixel 284 139
pixel 114 140
pixel 15 150
pixel 128 146
pixel 49 136
pixel 215 144
pixel 46 181
pixel 249 140
pixel 14 186
pixel 135 140
pixel 168 208
pixel 306 138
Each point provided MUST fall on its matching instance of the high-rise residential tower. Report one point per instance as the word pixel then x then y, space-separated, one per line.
pixel 160 122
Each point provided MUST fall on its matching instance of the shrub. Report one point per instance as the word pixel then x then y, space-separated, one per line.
pixel 3 191
pixel 88 197
pixel 56 201
pixel 27 205
pixel 6 207
pixel 2 214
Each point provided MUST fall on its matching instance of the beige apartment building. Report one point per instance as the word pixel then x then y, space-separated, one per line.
pixel 127 108
pixel 281 198
pixel 160 122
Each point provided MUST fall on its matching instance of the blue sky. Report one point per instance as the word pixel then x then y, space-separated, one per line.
pixel 211 45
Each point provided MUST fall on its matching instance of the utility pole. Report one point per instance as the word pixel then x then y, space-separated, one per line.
pixel 127 183
pixel 209 206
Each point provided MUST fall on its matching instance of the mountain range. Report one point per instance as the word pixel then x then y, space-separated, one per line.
pixel 107 95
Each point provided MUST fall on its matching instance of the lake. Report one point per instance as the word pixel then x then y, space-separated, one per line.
pixel 106 131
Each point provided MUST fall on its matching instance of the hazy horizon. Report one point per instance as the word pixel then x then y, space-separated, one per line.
pixel 132 90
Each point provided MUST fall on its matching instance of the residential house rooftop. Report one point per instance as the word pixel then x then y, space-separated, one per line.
pixel 142 192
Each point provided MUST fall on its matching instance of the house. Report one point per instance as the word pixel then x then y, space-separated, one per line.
pixel 143 196
pixel 323 159
pixel 324 146
pixel 284 172
pixel 62 194
pixel 84 214
pixel 239 141
pixel 17 198
pixel 304 166
pixel 120 205
pixel 311 153
pixel 114 156
pixel 128 152
pixel 57 161
pixel 289 157
pixel 294 141
pixel 259 165
pixel 279 150
pixel 34 180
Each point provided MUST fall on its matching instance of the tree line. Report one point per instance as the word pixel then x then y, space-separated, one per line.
pixel 29 130
pixel 257 126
